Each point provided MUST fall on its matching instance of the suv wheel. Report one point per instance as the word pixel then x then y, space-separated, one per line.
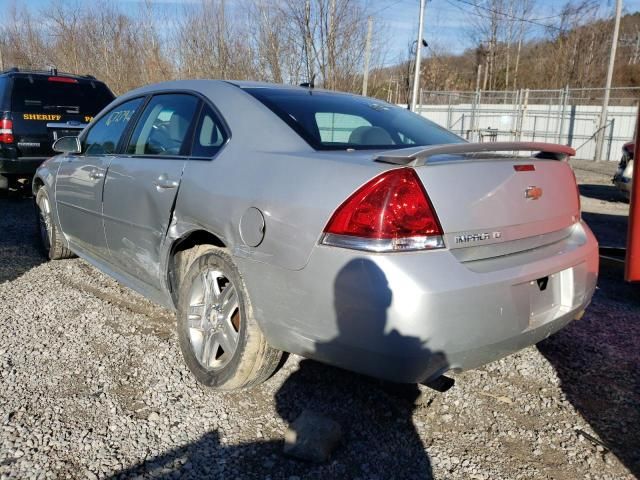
pixel 49 234
pixel 220 339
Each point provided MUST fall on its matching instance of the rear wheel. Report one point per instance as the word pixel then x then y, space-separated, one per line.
pixel 220 339
pixel 50 239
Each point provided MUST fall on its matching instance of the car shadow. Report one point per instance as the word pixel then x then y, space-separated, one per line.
pixel 610 230
pixel 609 193
pixel 19 243
pixel 379 437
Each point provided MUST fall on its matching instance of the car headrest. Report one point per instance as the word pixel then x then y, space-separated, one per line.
pixel 177 127
pixel 367 135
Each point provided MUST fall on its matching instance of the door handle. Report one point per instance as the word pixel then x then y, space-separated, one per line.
pixel 163 182
pixel 96 174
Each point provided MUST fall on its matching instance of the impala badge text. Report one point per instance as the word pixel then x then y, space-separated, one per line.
pixel 477 237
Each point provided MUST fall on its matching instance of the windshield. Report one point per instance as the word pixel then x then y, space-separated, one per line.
pixel 39 95
pixel 334 121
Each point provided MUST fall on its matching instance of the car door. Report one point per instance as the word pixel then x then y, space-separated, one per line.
pixel 80 180
pixel 142 184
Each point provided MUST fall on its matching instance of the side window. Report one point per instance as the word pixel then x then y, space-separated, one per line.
pixel 339 127
pixel 163 125
pixel 209 135
pixel 104 135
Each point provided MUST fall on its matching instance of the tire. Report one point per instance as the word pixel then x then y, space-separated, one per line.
pixel 50 237
pixel 220 339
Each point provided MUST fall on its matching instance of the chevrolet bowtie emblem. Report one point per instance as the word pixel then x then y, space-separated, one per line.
pixel 533 193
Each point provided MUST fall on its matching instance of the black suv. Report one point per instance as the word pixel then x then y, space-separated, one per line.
pixel 36 108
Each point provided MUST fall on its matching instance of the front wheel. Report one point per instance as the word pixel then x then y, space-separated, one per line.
pixel 220 339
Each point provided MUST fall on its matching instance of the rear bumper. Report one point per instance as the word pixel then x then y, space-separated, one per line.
pixel 26 166
pixel 408 317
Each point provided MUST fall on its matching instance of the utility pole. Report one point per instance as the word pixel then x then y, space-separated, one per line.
pixel 367 55
pixel 478 76
pixel 416 73
pixel 605 104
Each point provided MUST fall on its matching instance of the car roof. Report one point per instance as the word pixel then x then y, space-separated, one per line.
pixel 245 84
pixel 204 84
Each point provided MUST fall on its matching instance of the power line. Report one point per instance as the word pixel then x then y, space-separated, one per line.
pixel 498 12
pixel 376 12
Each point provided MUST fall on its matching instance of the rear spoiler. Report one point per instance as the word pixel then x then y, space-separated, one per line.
pixel 417 156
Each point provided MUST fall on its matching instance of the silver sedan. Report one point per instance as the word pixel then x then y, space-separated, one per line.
pixel 290 219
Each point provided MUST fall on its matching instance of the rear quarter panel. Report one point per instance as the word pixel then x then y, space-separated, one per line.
pixel 267 166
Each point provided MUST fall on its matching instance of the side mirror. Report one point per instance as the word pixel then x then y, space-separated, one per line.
pixel 67 145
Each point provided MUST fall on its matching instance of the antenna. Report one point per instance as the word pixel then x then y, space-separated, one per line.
pixel 310 85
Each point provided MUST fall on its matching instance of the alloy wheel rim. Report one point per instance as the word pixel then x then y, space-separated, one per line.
pixel 213 319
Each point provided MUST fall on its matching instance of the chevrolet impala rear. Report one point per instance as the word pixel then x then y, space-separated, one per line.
pixel 453 256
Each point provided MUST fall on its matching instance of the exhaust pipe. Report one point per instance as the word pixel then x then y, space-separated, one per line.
pixel 440 384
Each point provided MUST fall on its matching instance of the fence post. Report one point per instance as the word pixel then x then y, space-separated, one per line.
pixel 516 114
pixel 612 124
pixel 523 113
pixel 474 116
pixel 563 111
pixel 548 121
pixel 449 111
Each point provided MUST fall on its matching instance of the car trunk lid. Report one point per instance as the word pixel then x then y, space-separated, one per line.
pixel 492 205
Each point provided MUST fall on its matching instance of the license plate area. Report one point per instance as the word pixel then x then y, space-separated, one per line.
pixel 554 295
pixel 545 295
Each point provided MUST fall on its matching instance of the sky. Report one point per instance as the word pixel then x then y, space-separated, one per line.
pixel 447 22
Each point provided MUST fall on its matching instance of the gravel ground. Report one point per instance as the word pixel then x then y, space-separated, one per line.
pixel 92 385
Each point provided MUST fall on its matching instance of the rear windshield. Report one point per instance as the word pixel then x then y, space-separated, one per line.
pixel 334 121
pixel 40 95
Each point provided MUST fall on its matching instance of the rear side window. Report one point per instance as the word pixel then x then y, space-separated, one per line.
pixel 104 135
pixel 209 135
pixel 163 125
pixel 334 121
pixel 42 95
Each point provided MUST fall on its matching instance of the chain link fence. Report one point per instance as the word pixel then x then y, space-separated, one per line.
pixel 566 116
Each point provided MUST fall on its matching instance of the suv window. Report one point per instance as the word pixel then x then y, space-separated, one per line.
pixel 104 135
pixel 38 94
pixel 209 134
pixel 336 121
pixel 163 125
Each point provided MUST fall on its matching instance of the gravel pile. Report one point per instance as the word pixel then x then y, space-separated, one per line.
pixel 92 385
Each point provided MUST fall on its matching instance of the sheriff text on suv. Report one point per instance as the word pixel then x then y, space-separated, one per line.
pixel 36 108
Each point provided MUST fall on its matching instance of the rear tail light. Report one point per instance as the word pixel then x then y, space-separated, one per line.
pixel 6 131
pixel 392 212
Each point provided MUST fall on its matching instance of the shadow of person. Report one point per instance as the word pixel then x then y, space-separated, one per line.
pixel 199 459
pixel 379 438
